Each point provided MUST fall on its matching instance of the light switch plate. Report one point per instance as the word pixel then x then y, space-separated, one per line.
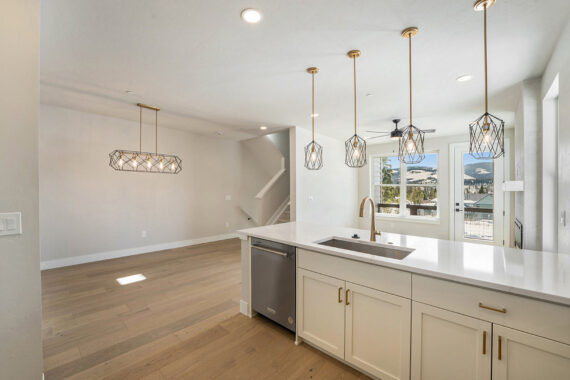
pixel 10 223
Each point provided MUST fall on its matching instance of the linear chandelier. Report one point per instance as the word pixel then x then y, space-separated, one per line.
pixel 145 162
pixel 355 146
pixel 487 133
pixel 411 147
pixel 313 151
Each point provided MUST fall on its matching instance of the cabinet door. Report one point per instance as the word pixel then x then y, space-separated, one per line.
pixel 320 311
pixel 528 357
pixel 447 345
pixel 377 332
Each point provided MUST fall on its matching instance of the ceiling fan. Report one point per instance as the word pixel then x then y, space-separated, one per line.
pixel 396 133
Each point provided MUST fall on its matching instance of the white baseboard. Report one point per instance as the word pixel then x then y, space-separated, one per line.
pixel 58 263
pixel 244 308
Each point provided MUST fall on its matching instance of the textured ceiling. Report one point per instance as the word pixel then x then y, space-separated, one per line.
pixel 210 71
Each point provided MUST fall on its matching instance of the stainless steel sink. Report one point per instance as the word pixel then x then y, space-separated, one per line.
pixel 376 249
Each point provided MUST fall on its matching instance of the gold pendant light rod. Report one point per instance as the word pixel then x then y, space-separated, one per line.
pixel 313 71
pixel 155 131
pixel 354 54
pixel 409 33
pixel 485 44
pixel 140 128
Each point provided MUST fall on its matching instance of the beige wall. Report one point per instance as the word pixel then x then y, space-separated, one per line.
pixel 20 288
pixel 439 229
pixel 328 195
pixel 87 208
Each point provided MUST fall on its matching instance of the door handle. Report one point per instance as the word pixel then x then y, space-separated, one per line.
pixel 484 342
pixel 339 299
pixel 346 297
pixel 270 250
pixel 500 348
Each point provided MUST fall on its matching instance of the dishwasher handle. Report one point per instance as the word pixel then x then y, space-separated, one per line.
pixel 270 250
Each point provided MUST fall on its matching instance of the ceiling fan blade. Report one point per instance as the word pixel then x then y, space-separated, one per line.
pixel 384 132
pixel 375 137
pixel 428 130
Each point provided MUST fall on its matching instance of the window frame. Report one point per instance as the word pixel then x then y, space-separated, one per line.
pixel 403 191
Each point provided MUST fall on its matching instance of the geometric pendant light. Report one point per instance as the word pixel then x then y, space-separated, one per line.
pixel 355 146
pixel 411 147
pixel 313 151
pixel 487 133
pixel 139 161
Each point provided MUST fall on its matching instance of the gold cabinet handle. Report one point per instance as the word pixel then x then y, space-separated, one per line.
pixel 339 299
pixel 484 342
pixel 503 310
pixel 500 348
pixel 346 297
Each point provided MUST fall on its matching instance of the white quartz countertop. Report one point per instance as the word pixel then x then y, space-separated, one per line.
pixel 540 275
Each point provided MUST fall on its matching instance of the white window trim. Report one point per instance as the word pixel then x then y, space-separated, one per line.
pixel 403 193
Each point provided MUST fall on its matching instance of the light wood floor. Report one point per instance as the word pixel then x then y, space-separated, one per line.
pixel 183 322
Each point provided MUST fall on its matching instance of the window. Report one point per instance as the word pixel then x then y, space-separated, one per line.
pixel 414 194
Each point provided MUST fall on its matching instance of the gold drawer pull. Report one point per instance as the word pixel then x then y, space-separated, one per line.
pixel 339 290
pixel 346 297
pixel 500 348
pixel 484 342
pixel 503 310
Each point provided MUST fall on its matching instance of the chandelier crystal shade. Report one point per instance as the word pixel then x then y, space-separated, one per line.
pixel 355 146
pixel 487 133
pixel 313 151
pixel 145 162
pixel 411 146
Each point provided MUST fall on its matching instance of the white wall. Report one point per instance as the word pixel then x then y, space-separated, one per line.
pixel 20 287
pixel 439 229
pixel 528 205
pixel 325 196
pixel 87 208
pixel 559 64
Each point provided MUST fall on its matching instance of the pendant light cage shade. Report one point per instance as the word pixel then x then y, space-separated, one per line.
pixel 313 156
pixel 144 162
pixel 487 137
pixel 355 148
pixel 411 148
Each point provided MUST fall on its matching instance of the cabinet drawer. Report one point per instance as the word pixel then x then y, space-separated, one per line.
pixel 536 317
pixel 373 276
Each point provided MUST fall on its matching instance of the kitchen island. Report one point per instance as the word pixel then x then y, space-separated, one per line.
pixel 445 310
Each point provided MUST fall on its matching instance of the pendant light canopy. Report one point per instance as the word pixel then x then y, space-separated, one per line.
pixel 355 146
pixel 146 162
pixel 487 133
pixel 411 147
pixel 313 151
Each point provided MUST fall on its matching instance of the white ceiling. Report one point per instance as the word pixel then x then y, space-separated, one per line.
pixel 210 71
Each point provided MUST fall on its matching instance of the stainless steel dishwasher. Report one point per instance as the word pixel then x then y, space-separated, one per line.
pixel 273 281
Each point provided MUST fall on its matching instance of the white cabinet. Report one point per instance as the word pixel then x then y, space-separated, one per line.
pixel 320 311
pixel 367 328
pixel 521 356
pixel 448 345
pixel 377 335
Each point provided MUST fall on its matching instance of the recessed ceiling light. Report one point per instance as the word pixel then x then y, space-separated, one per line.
pixel 129 92
pixel 251 15
pixel 263 127
pixel 130 279
pixel 464 78
pixel 219 133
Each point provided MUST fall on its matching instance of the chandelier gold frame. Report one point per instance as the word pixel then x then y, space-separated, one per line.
pixel 145 162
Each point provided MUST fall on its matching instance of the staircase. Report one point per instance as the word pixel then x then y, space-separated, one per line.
pixel 285 216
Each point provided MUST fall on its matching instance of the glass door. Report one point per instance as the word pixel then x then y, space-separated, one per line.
pixel 477 197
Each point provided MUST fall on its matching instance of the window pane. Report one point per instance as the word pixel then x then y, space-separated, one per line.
pixel 424 173
pixel 386 170
pixel 388 201
pixel 421 200
pixel 478 197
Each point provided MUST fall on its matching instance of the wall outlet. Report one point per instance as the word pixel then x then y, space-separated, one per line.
pixel 227 224
pixel 228 197
pixel 11 223
pixel 143 234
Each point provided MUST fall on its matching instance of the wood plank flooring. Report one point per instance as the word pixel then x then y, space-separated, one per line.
pixel 182 322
